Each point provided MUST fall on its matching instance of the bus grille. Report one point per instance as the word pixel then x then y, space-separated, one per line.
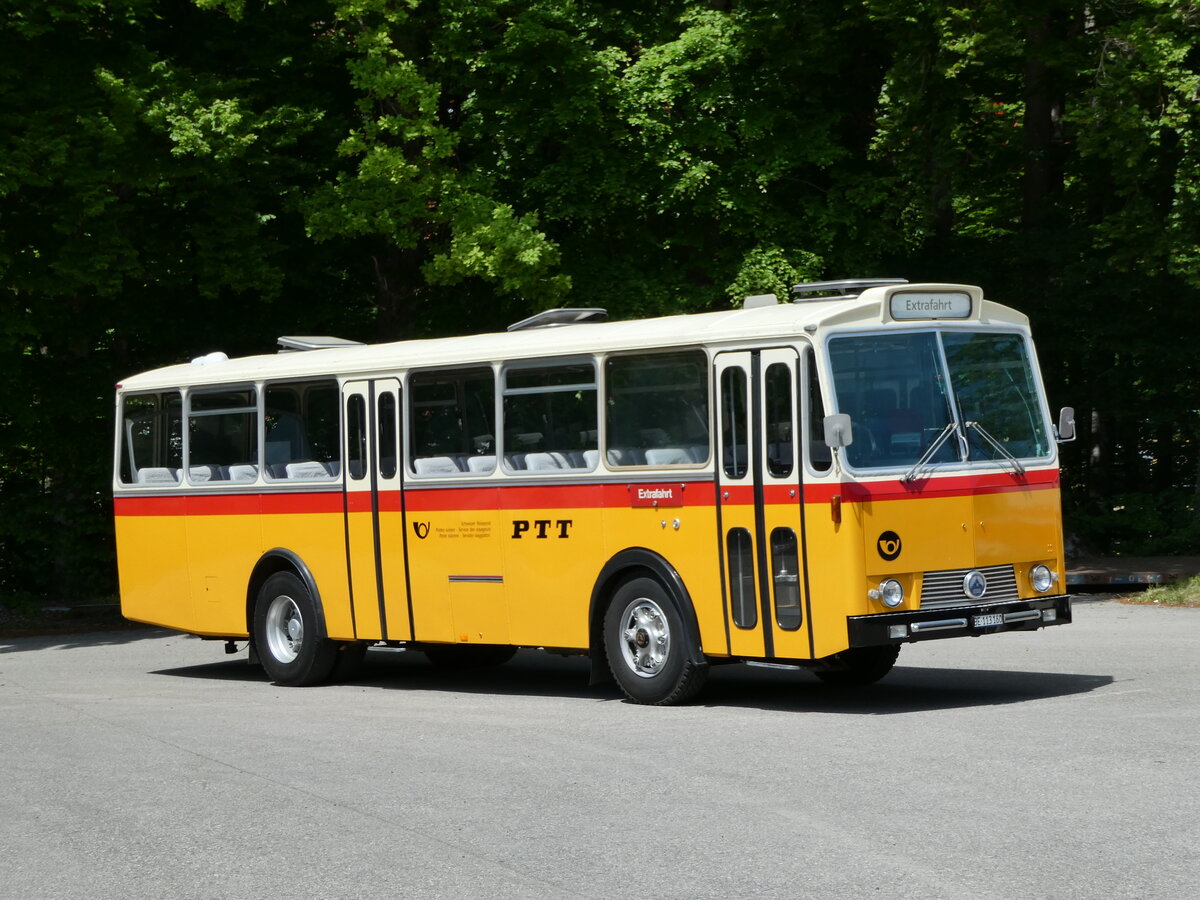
pixel 945 588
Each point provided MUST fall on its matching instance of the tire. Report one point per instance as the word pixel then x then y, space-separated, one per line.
pixel 468 656
pixel 287 633
pixel 859 666
pixel 646 645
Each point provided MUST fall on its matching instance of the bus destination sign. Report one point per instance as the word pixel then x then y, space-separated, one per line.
pixel 931 305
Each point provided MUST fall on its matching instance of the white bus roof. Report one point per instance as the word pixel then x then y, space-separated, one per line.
pixel 872 308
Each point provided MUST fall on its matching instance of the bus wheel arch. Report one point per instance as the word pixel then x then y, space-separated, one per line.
pixel 287 622
pixel 271 563
pixel 640 574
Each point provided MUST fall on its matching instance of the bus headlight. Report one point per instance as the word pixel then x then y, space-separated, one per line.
pixel 891 593
pixel 1041 578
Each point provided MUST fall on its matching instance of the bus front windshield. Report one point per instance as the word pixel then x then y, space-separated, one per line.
pixel 970 395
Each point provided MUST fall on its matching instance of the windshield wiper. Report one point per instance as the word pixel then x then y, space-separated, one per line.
pixel 920 465
pixel 1018 469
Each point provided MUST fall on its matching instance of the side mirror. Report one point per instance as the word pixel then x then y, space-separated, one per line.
pixel 1066 424
pixel 838 432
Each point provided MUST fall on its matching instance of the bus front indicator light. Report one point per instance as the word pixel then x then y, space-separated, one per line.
pixel 1041 578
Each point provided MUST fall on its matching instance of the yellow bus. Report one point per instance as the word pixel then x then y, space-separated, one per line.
pixel 808 483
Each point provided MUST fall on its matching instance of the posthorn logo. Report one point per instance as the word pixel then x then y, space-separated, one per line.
pixel 889 545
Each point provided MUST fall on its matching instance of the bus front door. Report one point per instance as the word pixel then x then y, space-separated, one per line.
pixel 374 518
pixel 759 497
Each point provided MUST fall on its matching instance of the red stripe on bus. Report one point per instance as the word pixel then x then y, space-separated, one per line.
pixel 290 503
pixel 566 496
pixel 569 496
pixel 949 486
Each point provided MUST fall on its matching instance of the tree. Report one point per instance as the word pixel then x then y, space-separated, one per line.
pixel 152 155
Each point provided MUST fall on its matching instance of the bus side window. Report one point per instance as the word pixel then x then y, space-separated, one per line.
pixel 735 438
pixel 657 409
pixel 301 423
pixel 223 434
pixel 452 422
pixel 356 436
pixel 780 411
pixel 151 438
pixel 550 418
pixel 387 435
pixel 819 455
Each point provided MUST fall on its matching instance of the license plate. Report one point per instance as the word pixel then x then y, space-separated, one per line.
pixel 989 620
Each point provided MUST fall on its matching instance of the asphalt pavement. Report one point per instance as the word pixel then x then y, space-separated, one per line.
pixel 1058 764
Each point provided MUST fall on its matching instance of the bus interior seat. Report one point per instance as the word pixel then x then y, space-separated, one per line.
pixel 481 464
pixel 308 470
pixel 626 456
pixel 668 456
pixel 435 465
pixel 545 461
pixel 243 472
pixel 158 475
pixel 582 459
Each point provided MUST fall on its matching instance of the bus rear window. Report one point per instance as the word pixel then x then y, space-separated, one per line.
pixel 151 438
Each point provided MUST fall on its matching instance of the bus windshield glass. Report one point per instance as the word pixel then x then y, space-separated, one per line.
pixel 970 395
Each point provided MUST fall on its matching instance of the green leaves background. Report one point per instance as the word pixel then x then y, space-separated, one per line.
pixel 178 177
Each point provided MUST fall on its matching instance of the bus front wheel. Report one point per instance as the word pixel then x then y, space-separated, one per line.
pixel 287 635
pixel 645 641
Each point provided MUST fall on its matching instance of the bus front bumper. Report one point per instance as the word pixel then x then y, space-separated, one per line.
pixel 958 621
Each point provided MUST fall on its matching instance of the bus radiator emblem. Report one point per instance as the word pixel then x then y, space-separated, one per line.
pixel 975 584
pixel 889 545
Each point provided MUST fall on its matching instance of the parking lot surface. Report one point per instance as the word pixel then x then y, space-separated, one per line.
pixel 147 764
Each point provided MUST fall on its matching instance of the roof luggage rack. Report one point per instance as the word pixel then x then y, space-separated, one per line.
pixel 551 317
pixel 313 342
pixel 840 290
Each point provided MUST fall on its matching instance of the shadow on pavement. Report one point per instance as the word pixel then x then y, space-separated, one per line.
pixel 76 640
pixel 535 674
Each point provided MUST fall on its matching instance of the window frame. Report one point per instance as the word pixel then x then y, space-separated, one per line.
pixel 409 409
pixel 256 410
pixel 307 384
pixel 504 454
pixel 962 463
pixel 705 383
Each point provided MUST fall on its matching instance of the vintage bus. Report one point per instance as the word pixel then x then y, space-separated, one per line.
pixel 808 483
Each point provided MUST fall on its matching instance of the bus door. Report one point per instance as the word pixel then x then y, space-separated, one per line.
pixel 374 517
pixel 759 496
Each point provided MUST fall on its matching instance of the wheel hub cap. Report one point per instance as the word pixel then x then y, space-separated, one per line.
pixel 646 638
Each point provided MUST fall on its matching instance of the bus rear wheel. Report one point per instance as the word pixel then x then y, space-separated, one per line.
pixel 859 666
pixel 645 642
pixel 287 635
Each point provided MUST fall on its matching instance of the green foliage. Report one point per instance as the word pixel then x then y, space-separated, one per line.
pixel 1184 593
pixel 178 177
